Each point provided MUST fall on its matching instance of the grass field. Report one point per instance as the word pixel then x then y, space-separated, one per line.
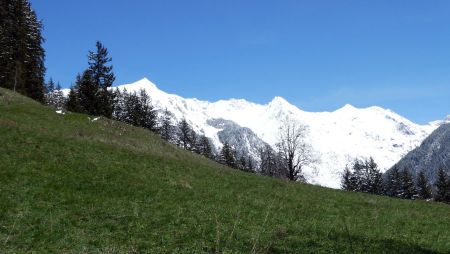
pixel 70 185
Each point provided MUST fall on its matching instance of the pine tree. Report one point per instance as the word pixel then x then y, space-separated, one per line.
pixel 442 186
pixel 73 102
pixel 205 148
pixel 87 93
pixel 50 86
pixel 102 79
pixel 346 180
pixel 407 188
pixel 423 186
pixel 184 134
pixel 166 127
pixel 227 156
pixel 147 113
pixel 22 55
pixel 393 183
pixel 374 177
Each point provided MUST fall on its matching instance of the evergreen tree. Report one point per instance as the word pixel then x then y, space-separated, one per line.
pixel 423 186
pixel 22 55
pixel 227 156
pixel 270 163
pixel 50 86
pixel 393 183
pixel 87 93
pixel 184 134
pixel 204 147
pixel 102 79
pixel 442 186
pixel 166 127
pixel 347 182
pixel 147 113
pixel 73 102
pixel 120 110
pixel 374 179
pixel 407 187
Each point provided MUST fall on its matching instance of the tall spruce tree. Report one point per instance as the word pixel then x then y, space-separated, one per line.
pixel 184 134
pixel 407 186
pixel 87 93
pixel 393 182
pixel 102 79
pixel 22 55
pixel 423 186
pixel 442 186
pixel 227 156
pixel 166 126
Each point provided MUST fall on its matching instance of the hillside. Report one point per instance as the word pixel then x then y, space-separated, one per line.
pixel 72 185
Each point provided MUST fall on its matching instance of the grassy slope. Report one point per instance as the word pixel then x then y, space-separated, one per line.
pixel 71 185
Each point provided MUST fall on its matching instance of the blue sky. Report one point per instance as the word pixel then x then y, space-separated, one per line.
pixel 319 55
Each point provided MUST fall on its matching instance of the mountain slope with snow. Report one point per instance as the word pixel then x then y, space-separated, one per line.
pixel 337 137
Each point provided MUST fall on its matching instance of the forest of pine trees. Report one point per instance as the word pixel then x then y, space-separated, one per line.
pixel 22 55
pixel 364 176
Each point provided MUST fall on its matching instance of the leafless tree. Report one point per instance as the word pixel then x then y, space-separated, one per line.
pixel 295 151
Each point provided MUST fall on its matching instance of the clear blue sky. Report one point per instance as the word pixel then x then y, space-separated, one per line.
pixel 319 55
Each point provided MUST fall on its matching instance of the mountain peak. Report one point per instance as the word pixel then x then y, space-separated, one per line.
pixel 277 100
pixel 145 83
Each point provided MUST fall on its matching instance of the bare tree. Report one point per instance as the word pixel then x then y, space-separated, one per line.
pixel 295 151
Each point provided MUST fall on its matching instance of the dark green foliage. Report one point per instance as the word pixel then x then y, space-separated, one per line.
pixel 227 156
pixel 270 163
pixel 363 177
pixel 135 109
pixel 21 53
pixel 73 102
pixel 184 134
pixel 69 185
pixel 87 93
pixel 166 127
pixel 347 182
pixel 393 183
pixel 423 186
pixel 205 148
pixel 50 86
pixel 407 186
pixel 442 186
pixel 102 78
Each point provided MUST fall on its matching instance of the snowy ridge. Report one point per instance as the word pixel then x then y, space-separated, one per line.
pixel 338 136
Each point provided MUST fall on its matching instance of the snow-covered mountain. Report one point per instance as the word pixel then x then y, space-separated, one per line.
pixel 338 137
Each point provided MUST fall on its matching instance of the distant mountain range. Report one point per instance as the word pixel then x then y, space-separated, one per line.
pixel 337 137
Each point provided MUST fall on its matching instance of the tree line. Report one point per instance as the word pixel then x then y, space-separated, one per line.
pixel 364 176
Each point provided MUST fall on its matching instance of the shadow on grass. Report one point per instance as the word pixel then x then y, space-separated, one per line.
pixel 342 243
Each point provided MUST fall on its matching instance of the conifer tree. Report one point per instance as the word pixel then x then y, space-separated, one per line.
pixel 102 79
pixel 73 102
pixel 50 86
pixel 146 112
pixel 442 186
pixel 347 182
pixel 87 93
pixel 393 183
pixel 205 148
pixel 227 156
pixel 374 177
pixel 166 127
pixel 407 187
pixel 423 186
pixel 184 134
pixel 22 55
